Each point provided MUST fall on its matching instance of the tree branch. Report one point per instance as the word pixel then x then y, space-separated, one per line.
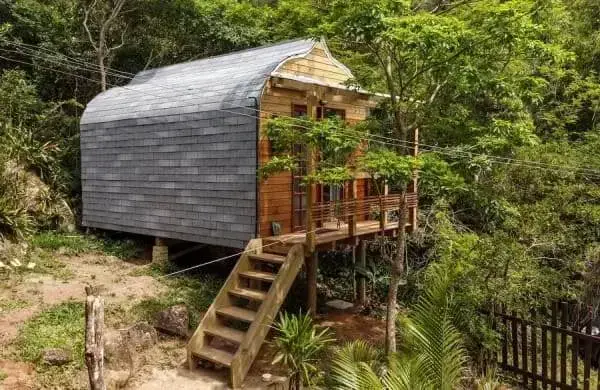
pixel 86 13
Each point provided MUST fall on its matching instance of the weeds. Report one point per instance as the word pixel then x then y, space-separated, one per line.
pixel 197 293
pixel 3 375
pixel 76 243
pixel 8 305
pixel 60 326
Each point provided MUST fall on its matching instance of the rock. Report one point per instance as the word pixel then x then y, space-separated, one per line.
pixel 141 336
pixel 117 352
pixel 174 320
pixel 117 379
pixel 338 304
pixel 56 356
pixel 121 345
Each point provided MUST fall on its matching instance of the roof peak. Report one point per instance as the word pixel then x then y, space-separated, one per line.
pixel 307 41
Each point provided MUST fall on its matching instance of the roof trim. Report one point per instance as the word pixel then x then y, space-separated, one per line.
pixel 303 55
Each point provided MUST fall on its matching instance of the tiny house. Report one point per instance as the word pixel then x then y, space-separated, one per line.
pixel 174 154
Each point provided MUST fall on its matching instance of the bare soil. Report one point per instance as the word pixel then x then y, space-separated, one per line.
pixel 162 366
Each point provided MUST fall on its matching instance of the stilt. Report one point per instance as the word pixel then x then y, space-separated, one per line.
pixel 362 262
pixel 354 296
pixel 312 265
pixel 160 252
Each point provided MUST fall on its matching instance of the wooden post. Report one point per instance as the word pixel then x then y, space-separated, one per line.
pixel 383 217
pixel 311 108
pixel 312 265
pixel 354 296
pixel 94 338
pixel 353 216
pixel 362 283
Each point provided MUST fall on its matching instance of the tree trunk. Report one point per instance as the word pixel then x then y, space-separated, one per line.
pixel 94 339
pixel 396 277
pixel 102 71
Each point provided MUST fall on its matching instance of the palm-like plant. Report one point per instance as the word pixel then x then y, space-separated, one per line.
pixel 434 360
pixel 299 345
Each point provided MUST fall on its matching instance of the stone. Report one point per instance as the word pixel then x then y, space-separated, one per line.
pixel 141 335
pixel 56 356
pixel 338 304
pixel 174 321
pixel 117 379
pixel 120 345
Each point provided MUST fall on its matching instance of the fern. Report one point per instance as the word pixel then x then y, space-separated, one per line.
pixel 435 357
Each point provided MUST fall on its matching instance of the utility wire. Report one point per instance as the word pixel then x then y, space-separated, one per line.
pixel 233 255
pixel 370 137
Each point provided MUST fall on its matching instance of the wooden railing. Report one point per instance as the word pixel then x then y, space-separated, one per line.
pixel 349 211
pixel 327 211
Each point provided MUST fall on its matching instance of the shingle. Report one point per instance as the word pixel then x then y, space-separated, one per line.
pixel 179 162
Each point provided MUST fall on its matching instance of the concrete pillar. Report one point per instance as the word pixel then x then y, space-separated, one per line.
pixel 160 252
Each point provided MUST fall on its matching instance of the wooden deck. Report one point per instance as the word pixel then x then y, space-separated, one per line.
pixel 331 233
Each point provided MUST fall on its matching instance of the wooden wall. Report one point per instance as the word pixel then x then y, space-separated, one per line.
pixel 275 196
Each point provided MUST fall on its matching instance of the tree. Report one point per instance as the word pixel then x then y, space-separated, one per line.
pixel 102 22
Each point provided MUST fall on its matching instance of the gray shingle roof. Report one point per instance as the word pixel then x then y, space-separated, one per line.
pixel 221 82
pixel 172 154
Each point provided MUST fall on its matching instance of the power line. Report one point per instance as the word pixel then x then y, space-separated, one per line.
pixel 371 137
pixel 234 255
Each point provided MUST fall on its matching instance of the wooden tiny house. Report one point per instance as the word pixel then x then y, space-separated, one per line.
pixel 175 154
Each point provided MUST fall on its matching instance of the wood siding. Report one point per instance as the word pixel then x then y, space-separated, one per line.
pixel 276 191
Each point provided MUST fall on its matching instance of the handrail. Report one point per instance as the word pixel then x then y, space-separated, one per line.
pixel 345 208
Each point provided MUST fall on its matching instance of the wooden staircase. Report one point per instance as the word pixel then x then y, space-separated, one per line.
pixel 236 324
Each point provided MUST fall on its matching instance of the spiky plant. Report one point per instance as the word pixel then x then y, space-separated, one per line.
pixel 434 358
pixel 299 345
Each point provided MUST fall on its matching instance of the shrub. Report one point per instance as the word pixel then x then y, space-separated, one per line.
pixel 299 345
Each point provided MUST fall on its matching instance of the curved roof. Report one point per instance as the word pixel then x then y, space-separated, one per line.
pixel 222 82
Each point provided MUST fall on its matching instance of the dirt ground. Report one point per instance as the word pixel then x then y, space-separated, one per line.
pixel 164 364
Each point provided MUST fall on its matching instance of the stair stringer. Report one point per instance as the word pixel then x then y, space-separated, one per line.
pixel 223 298
pixel 256 334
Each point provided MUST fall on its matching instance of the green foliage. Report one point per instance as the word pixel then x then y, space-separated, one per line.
pixel 60 326
pixel 434 356
pixel 277 164
pixel 77 243
pixel 300 344
pixel 195 292
pixel 388 165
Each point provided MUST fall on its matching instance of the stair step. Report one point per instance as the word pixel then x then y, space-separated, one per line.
pixel 269 258
pixel 237 313
pixel 226 333
pixel 258 275
pixel 246 293
pixel 215 355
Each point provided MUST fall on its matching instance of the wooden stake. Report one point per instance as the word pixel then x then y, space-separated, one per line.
pixel 94 338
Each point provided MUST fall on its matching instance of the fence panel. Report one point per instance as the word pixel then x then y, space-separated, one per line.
pixel 549 351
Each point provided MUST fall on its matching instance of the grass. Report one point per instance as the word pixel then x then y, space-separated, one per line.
pixel 197 293
pixel 77 243
pixel 3 375
pixel 8 305
pixel 61 326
